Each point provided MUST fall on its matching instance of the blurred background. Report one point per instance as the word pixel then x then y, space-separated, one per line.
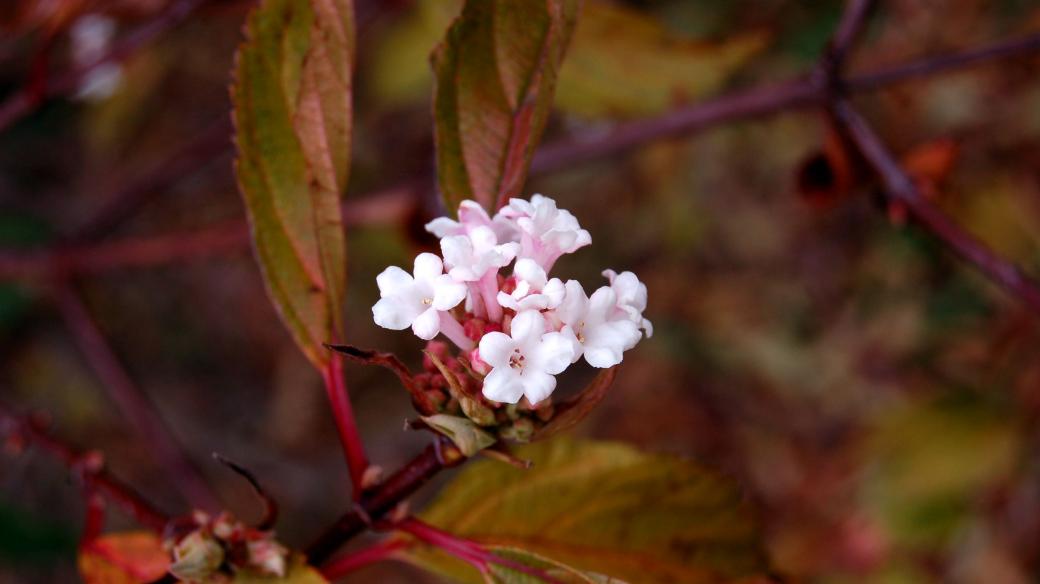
pixel 875 398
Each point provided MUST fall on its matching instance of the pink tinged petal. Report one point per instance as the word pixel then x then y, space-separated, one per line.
pixel 496 349
pixel 602 357
pixel 391 313
pixel 601 304
pixel 648 327
pixel 538 385
pixel 583 238
pixel 473 214
pixel 575 304
pixel 427 325
pixel 503 385
pixel 554 292
pixel 552 355
pixel 530 272
pixel 427 266
pixel 447 293
pixel 443 227
pixel 392 280
pixel 483 238
pixel 457 251
pixel 576 349
pixel 527 328
pixel 507 301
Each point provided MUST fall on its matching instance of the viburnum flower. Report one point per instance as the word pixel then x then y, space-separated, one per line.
pixel 631 297
pixel 471 216
pixel 525 361
pixel 546 232
pixel 419 300
pixel 594 325
pixel 533 288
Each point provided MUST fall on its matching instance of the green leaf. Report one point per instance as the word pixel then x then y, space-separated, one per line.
pixel 604 508
pixel 558 571
pixel 466 435
pixel 292 113
pixel 494 77
pixel 623 63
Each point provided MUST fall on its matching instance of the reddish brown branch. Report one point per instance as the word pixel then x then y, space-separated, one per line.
pixel 132 403
pixel 900 187
pixel 87 466
pixel 346 425
pixel 345 564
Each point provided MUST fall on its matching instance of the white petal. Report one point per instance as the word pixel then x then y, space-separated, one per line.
pixel 443 227
pixel 457 251
pixel 503 385
pixel 527 328
pixel 393 279
pixel 392 314
pixel 496 348
pixel 538 385
pixel 508 301
pixel 529 271
pixel 648 327
pixel 553 354
pixel 427 324
pixel 483 238
pixel 602 357
pixel 576 348
pixel 554 292
pixel 601 304
pixel 447 293
pixel 427 266
pixel 472 213
pixel 575 303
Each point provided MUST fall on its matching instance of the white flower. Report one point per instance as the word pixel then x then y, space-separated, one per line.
pixel 525 361
pixel 533 288
pixel 546 232
pixel 472 255
pixel 597 330
pixel 418 300
pixel 471 216
pixel 631 297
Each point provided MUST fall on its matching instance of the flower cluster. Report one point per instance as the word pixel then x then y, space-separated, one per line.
pixel 520 329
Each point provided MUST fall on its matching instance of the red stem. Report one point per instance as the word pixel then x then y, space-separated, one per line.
pixel 87 468
pixel 351 562
pixel 132 403
pixel 339 400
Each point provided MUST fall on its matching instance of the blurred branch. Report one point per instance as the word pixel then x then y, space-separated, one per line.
pixel 346 425
pixel 900 187
pixel 26 100
pixel 347 563
pixel 852 21
pixel 88 467
pixel 132 403
pixel 383 498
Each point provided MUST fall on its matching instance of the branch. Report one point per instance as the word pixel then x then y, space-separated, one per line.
pixel 346 425
pixel 132 403
pixel 87 466
pixel 383 498
pixel 852 21
pixel 900 187
pixel 347 563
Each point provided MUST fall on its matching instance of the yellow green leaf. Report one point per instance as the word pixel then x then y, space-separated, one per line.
pixel 130 557
pixel 603 508
pixel 624 63
pixel 292 113
pixel 494 78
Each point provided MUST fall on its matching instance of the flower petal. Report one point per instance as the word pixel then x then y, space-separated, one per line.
pixel 601 304
pixel 428 324
pixel 602 357
pixel 527 328
pixel 538 385
pixel 552 355
pixel 427 266
pixel 503 385
pixel 443 227
pixel 574 306
pixel 529 271
pixel 393 314
pixel 496 348
pixel 393 280
pixel 447 293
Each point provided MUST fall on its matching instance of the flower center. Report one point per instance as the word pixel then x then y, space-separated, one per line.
pixel 427 301
pixel 581 332
pixel 516 361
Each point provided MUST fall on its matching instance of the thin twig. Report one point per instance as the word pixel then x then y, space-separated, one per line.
pixel 346 425
pixel 852 21
pixel 347 563
pixel 87 466
pixel 134 406
pixel 900 187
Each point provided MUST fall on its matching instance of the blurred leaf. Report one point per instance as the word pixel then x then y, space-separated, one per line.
pixel 624 63
pixel 558 571
pixel 574 410
pixel 932 459
pixel 603 507
pixel 292 112
pixel 495 73
pixel 469 438
pixel 26 539
pixel 131 557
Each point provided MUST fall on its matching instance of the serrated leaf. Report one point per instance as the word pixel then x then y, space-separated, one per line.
pixel 130 557
pixel 604 508
pixel 466 435
pixel 574 410
pixel 494 78
pixel 292 113
pixel 624 63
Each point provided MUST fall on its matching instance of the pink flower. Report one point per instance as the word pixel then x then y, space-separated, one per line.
pixel 546 232
pixel 524 362
pixel 418 300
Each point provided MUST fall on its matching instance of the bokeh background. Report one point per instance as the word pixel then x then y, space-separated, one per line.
pixel 875 398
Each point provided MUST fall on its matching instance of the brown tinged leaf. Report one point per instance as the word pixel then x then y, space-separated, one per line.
pixel 129 557
pixel 292 114
pixel 390 361
pixel 569 413
pixel 494 78
pixel 472 405
pixel 828 176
